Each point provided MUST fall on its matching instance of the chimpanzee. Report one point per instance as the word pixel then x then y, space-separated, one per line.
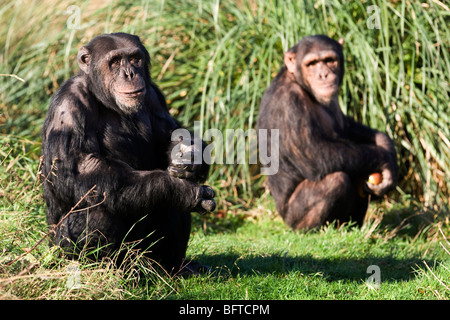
pixel 325 156
pixel 108 127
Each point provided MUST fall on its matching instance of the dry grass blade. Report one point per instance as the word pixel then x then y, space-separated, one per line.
pixel 58 224
pixel 436 277
pixel 12 75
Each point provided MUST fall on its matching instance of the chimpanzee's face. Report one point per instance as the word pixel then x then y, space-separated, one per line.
pixel 317 63
pixel 117 67
pixel 320 71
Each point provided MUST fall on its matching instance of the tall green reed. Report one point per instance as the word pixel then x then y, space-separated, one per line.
pixel 213 60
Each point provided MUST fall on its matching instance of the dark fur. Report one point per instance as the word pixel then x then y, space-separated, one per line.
pixel 87 141
pixel 322 164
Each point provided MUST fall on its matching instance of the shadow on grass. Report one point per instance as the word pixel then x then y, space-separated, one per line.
pixel 215 224
pixel 405 222
pixel 411 222
pixel 352 269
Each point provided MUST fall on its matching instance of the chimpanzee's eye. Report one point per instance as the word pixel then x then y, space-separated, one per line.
pixel 136 61
pixel 114 63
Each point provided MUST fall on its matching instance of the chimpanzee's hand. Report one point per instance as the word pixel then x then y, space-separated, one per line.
pixel 186 162
pixel 387 183
pixel 205 200
pixel 389 169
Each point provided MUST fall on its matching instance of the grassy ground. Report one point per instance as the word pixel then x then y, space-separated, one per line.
pixel 213 59
pixel 252 254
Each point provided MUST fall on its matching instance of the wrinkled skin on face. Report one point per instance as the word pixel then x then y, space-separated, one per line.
pixel 317 66
pixel 117 70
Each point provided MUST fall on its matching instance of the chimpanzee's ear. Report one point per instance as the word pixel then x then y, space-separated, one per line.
pixel 289 61
pixel 341 41
pixel 84 59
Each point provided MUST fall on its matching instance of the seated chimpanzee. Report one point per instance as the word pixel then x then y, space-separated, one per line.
pixel 108 129
pixel 325 157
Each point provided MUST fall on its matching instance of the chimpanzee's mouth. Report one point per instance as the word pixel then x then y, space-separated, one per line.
pixel 134 93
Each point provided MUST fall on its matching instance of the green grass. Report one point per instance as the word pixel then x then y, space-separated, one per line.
pixel 213 60
pixel 267 261
pixel 252 253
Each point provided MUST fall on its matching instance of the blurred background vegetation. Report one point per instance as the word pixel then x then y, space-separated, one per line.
pixel 213 60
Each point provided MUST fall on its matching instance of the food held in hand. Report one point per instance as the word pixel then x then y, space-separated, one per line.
pixel 375 178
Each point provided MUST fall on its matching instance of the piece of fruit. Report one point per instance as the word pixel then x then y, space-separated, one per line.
pixel 375 178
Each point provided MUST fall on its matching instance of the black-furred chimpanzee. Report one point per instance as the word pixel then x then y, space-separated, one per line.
pixel 109 127
pixel 325 156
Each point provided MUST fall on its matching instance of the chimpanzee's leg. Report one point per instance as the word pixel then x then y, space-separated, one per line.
pixel 332 198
